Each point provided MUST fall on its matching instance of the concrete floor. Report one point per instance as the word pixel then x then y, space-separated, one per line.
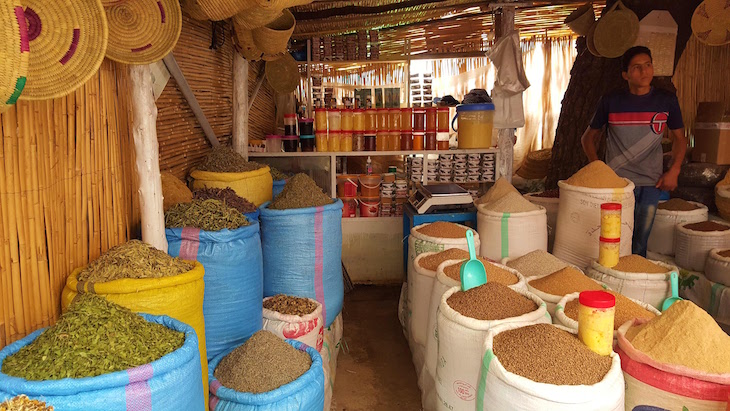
pixel 374 370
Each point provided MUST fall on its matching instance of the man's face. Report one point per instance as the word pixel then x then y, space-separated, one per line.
pixel 641 71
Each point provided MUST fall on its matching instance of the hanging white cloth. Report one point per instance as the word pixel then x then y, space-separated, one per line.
pixel 509 83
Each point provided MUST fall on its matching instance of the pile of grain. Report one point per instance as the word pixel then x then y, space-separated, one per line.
pixel 677 204
pixel 223 159
pixel 511 203
pixel 23 403
pixel 264 363
pixel 227 196
pixel 278 175
pixel 433 261
pixel 491 301
pixel 174 191
pixel 494 273
pixel 597 175
pixel 725 253
pixel 537 263
pixel 684 335
pixel 133 259
pixel 707 226
pixel 290 305
pixel 544 353
pixel 208 215
pixel 300 192
pixel 565 281
pixel 554 193
pixel 501 188
pixel 626 310
pixel 442 229
pixel 638 264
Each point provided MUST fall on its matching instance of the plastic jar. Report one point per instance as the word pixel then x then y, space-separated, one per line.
pixel 406 140
pixel 381 142
pixel 290 143
pixel 611 220
pixel 382 119
pixel 476 122
pixel 406 119
pixel 307 143
pixel 322 141
pixel 370 116
pixel 290 125
pixel 393 141
pixel 369 140
pixel 334 119
pixel 320 119
pixel 431 118
pixel 430 140
pixel 333 140
pixel 358 141
pixel 442 140
pixel 358 120
pixel 419 119
pixel 418 139
pixel 346 141
pixel 596 312
pixel 443 122
pixel 273 143
pixel 306 127
pixel 394 118
pixel 347 120
pixel 609 251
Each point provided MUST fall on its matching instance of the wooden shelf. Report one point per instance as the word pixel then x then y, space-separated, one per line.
pixel 372 153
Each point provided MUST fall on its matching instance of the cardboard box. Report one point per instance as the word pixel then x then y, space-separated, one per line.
pixel 712 134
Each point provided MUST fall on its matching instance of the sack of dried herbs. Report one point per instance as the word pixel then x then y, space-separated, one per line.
pixel 295 318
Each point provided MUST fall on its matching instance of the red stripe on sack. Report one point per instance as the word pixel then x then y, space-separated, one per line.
pixel 212 402
pixel 137 393
pixel 672 383
pixel 23 25
pixel 299 329
pixel 319 258
pixel 214 386
pixel 143 48
pixel 190 243
pixel 72 48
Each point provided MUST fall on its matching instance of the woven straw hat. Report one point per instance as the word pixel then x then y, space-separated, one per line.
pixel 273 37
pixel 711 22
pixel 245 45
pixel 283 74
pixel 217 10
pixel 256 17
pixel 109 3
pixel 14 52
pixel 143 31
pixel 68 39
pixel 616 31
pixel 590 36
pixel 581 19
pixel 193 9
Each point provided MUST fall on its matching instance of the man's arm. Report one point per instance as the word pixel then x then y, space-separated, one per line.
pixel 589 141
pixel 668 180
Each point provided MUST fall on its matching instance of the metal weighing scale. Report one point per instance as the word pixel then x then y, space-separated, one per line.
pixel 431 198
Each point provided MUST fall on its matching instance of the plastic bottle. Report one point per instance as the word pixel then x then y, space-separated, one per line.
pixel 595 320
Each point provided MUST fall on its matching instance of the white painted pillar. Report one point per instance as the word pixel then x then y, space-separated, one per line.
pixel 240 105
pixel 146 149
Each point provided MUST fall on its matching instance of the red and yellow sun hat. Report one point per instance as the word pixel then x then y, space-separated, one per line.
pixel 14 52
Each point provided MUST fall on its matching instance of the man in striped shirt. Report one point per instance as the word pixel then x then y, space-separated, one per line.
pixel 635 121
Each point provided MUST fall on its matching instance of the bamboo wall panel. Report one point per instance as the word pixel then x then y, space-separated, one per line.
pixel 66 178
pixel 210 75
pixel 701 75
pixel 261 120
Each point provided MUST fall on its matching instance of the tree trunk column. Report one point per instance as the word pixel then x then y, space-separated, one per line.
pixel 240 105
pixel 505 25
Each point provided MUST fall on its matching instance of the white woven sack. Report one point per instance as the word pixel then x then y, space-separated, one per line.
pixel 661 239
pixel 551 205
pixel 562 319
pixel 308 329
pixel 501 390
pixel 717 268
pixel 579 221
pixel 422 285
pixel 441 285
pixel 551 301
pixel 650 288
pixel 693 247
pixel 460 349
pixel 511 234
pixel 640 394
pixel 403 309
pixel 332 344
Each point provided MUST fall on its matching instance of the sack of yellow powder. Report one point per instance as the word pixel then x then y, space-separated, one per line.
pixel 174 191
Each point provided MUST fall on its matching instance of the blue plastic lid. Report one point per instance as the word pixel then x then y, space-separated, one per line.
pixel 475 107
pixel 306 136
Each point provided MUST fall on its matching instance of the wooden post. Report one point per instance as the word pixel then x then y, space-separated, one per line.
pixel 146 150
pixel 240 105
pixel 505 25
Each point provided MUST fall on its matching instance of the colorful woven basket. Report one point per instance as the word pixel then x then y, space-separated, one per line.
pixel 616 31
pixel 68 40
pixel 283 74
pixel 143 31
pixel 14 52
pixel 711 22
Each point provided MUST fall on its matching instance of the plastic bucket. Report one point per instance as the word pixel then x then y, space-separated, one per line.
pixel 369 207
pixel 347 185
pixel 370 186
pixel 476 122
pixel 349 207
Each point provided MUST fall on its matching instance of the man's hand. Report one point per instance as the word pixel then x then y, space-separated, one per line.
pixel 668 180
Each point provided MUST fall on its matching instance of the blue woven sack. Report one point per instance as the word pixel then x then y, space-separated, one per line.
pixel 278 187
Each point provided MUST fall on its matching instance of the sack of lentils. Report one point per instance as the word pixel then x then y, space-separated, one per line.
pixel 679 359
pixel 717 268
pixel 669 215
pixel 267 373
pixel 144 279
pixel 546 367
pixel 553 287
pixel 295 318
pixel 579 220
pixel 229 247
pixel 694 241
pixel 100 356
pixel 627 309
pixel 464 318
pixel 636 277
pixel 223 168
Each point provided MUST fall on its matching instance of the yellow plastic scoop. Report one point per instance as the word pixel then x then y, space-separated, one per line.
pixel 472 272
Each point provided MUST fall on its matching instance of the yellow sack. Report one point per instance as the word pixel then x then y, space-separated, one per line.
pixel 179 297
pixel 255 186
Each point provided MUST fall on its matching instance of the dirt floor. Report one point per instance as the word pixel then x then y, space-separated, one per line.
pixel 374 370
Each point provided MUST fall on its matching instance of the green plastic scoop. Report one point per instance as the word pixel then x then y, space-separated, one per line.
pixel 472 272
pixel 675 292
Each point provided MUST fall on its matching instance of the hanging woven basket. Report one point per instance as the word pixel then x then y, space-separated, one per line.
pixel 217 10
pixel 245 45
pixel 283 74
pixel 711 22
pixel 256 17
pixel 193 10
pixel 141 31
pixel 581 19
pixel 273 37
pixel 14 50
pixel 616 31
pixel 590 36
pixel 68 41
